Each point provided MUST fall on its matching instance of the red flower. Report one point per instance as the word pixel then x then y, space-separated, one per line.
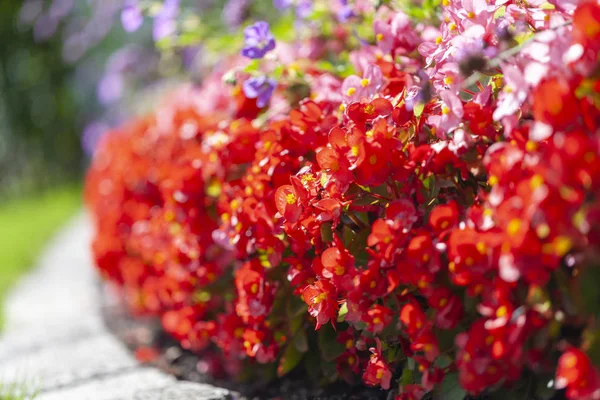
pixel 377 318
pixel 443 217
pixel 411 392
pixel 287 202
pixel 338 265
pixel 413 317
pixel 377 372
pixel 255 294
pixel 360 113
pixel 576 372
pixel 586 24
pixel 555 103
pixel 322 301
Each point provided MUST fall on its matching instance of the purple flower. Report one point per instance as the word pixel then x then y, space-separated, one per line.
pixel 259 40
pixel 260 88
pixel 91 136
pixel 234 12
pixel 31 10
pixel 60 8
pixel 131 16
pixel 346 12
pixel 164 22
pixel 304 9
pixel 45 27
pixel 282 4
pixel 110 88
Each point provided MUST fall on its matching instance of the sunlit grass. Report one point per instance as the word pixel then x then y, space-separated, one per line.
pixel 26 224
pixel 18 391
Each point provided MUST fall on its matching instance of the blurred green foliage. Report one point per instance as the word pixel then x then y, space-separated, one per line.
pixel 39 120
pixel 26 224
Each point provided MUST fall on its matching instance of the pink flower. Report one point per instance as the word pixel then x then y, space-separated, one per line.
pixel 327 88
pixel 452 113
pixel 363 57
pixel 384 36
pixel 513 94
pixel 474 12
pixel 355 88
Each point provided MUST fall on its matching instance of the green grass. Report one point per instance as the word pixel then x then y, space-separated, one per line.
pixel 18 391
pixel 26 224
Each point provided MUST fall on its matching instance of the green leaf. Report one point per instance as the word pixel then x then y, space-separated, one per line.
pixel 253 66
pixel 365 201
pixel 330 348
pixel 301 341
pixel 290 359
pixel 359 243
pixel 296 307
pixel 450 389
pixel 500 12
pixel 348 235
pixel 443 361
pixel 588 289
pixel 407 376
pixel 446 338
pixel 326 232
pixel 418 109
pixel 592 339
pixel 342 312
pixel 298 332
pixel 428 182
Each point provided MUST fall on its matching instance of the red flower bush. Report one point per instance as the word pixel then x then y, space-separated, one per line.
pixel 410 245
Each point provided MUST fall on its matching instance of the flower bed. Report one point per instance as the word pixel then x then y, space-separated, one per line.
pixel 427 223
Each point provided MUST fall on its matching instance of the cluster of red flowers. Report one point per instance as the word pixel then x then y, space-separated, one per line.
pixel 352 239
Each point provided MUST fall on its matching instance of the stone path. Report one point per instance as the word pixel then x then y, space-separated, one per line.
pixel 55 341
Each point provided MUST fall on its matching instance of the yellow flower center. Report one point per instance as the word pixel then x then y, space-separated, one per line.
pixel 290 198
pixel 536 181
pixel 501 311
pixel 513 226
pixel 481 247
pixel 319 298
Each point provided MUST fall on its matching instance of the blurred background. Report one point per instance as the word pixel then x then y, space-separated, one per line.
pixel 70 70
pixel 68 73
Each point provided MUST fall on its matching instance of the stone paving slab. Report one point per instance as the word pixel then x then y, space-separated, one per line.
pixel 119 387
pixel 56 366
pixel 55 338
pixel 18 341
